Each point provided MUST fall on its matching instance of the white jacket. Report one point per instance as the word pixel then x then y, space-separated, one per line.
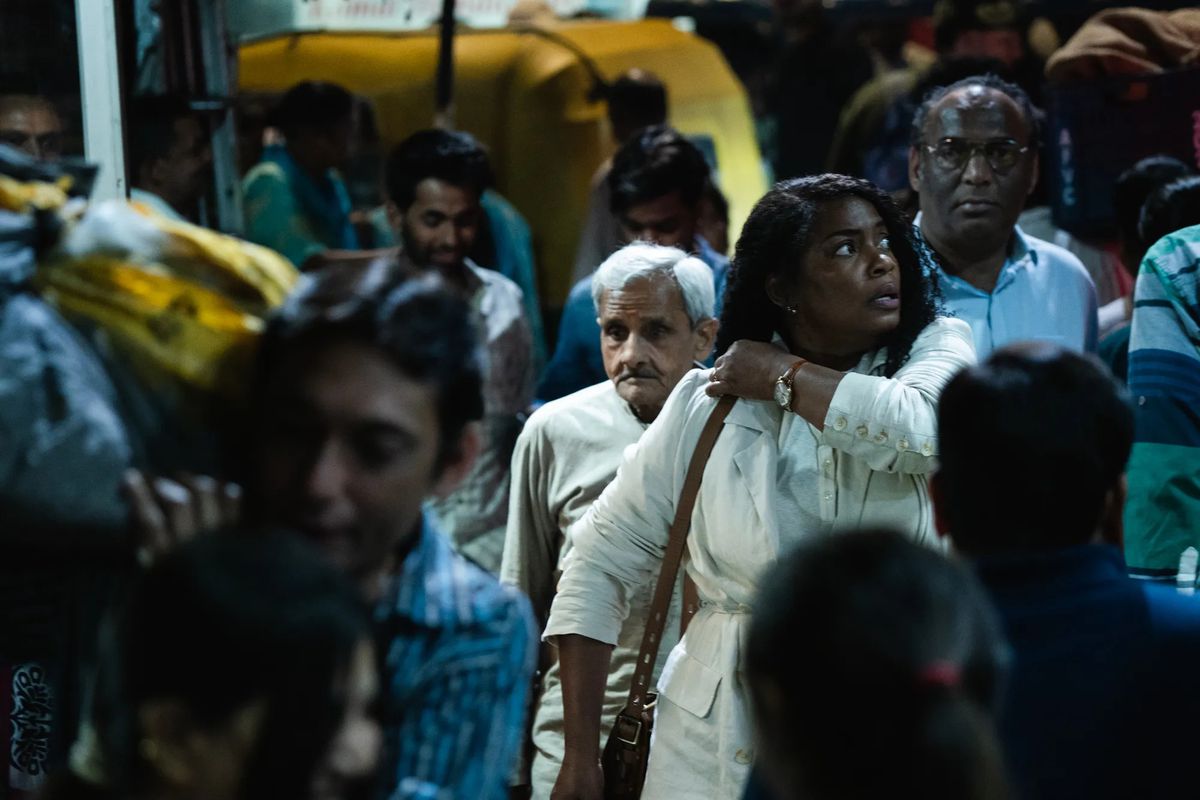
pixel 878 444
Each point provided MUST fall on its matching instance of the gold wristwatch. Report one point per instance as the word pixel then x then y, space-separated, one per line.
pixel 783 386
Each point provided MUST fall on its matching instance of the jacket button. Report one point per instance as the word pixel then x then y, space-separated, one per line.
pixel 742 757
pixel 927 449
pixel 902 444
pixel 882 437
pixel 862 431
pixel 839 424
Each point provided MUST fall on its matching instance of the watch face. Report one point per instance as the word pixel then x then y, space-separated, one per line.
pixel 783 394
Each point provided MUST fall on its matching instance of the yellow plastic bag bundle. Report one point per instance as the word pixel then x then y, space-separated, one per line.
pixel 179 303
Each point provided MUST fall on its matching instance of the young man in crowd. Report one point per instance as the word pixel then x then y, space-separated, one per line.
pixel 170 157
pixel 365 403
pixel 1033 448
pixel 973 161
pixel 31 123
pixel 635 100
pixel 1133 188
pixel 435 180
pixel 657 184
pixel 655 306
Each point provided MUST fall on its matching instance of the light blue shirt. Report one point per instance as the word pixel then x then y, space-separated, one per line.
pixel 1043 293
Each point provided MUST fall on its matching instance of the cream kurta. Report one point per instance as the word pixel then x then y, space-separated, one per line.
pixel 568 452
pixel 878 444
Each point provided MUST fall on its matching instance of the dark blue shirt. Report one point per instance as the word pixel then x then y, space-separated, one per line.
pixel 1101 701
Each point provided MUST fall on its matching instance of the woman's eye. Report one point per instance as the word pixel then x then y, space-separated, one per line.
pixel 886 245
pixel 844 249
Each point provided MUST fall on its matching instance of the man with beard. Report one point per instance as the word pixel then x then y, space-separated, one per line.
pixel 170 155
pixel 435 180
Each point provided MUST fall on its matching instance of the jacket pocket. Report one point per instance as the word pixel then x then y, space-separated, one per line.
pixel 691 685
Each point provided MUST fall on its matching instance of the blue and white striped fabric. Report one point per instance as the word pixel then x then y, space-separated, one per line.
pixel 1162 514
pixel 459 651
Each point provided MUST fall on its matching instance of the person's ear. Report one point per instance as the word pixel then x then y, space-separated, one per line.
pixel 1112 518
pixel 462 458
pixel 776 291
pixel 395 216
pixel 706 336
pixel 914 169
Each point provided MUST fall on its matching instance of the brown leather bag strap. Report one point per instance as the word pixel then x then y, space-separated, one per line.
pixel 676 543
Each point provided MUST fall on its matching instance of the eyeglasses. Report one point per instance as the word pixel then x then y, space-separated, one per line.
pixel 953 153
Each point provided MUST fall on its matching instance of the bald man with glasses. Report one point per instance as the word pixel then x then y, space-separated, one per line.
pixel 974 161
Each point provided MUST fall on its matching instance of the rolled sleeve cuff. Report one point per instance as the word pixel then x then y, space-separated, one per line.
pixel 588 604
pixel 849 426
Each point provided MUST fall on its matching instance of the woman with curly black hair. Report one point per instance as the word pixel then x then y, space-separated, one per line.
pixel 832 343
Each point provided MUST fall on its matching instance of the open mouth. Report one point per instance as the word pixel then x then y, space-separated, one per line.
pixel 887 298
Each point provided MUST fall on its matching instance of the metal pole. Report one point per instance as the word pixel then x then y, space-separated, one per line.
pixel 100 92
pixel 444 105
pixel 219 63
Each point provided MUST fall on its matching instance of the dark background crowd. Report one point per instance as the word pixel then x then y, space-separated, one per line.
pixel 327 472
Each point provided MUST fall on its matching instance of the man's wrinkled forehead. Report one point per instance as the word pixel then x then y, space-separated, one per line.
pixel 977 112
pixel 651 297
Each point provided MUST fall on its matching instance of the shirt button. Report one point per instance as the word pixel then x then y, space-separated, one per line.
pixel 742 757
pixel 839 424
pixel 902 444
pixel 862 431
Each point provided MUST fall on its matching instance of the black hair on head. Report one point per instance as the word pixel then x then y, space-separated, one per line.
pixel 1034 118
pixel 1030 443
pixel 422 326
pixel 637 99
pixel 655 162
pixel 224 621
pixel 151 127
pixel 1134 186
pixel 313 107
pixel 454 157
pixel 776 237
pixel 868 648
pixel 1170 208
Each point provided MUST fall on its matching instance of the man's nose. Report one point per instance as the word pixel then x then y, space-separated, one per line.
pixel 327 473
pixel 977 169
pixel 634 351
pixel 450 236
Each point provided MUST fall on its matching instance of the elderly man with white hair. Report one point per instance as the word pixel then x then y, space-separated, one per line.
pixel 654 306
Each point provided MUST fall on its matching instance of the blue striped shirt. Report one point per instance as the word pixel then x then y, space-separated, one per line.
pixel 1162 513
pixel 459 653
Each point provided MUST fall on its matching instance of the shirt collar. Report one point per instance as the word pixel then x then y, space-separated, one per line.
pixel 1021 255
pixel 438 589
pixel 419 592
pixel 706 253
